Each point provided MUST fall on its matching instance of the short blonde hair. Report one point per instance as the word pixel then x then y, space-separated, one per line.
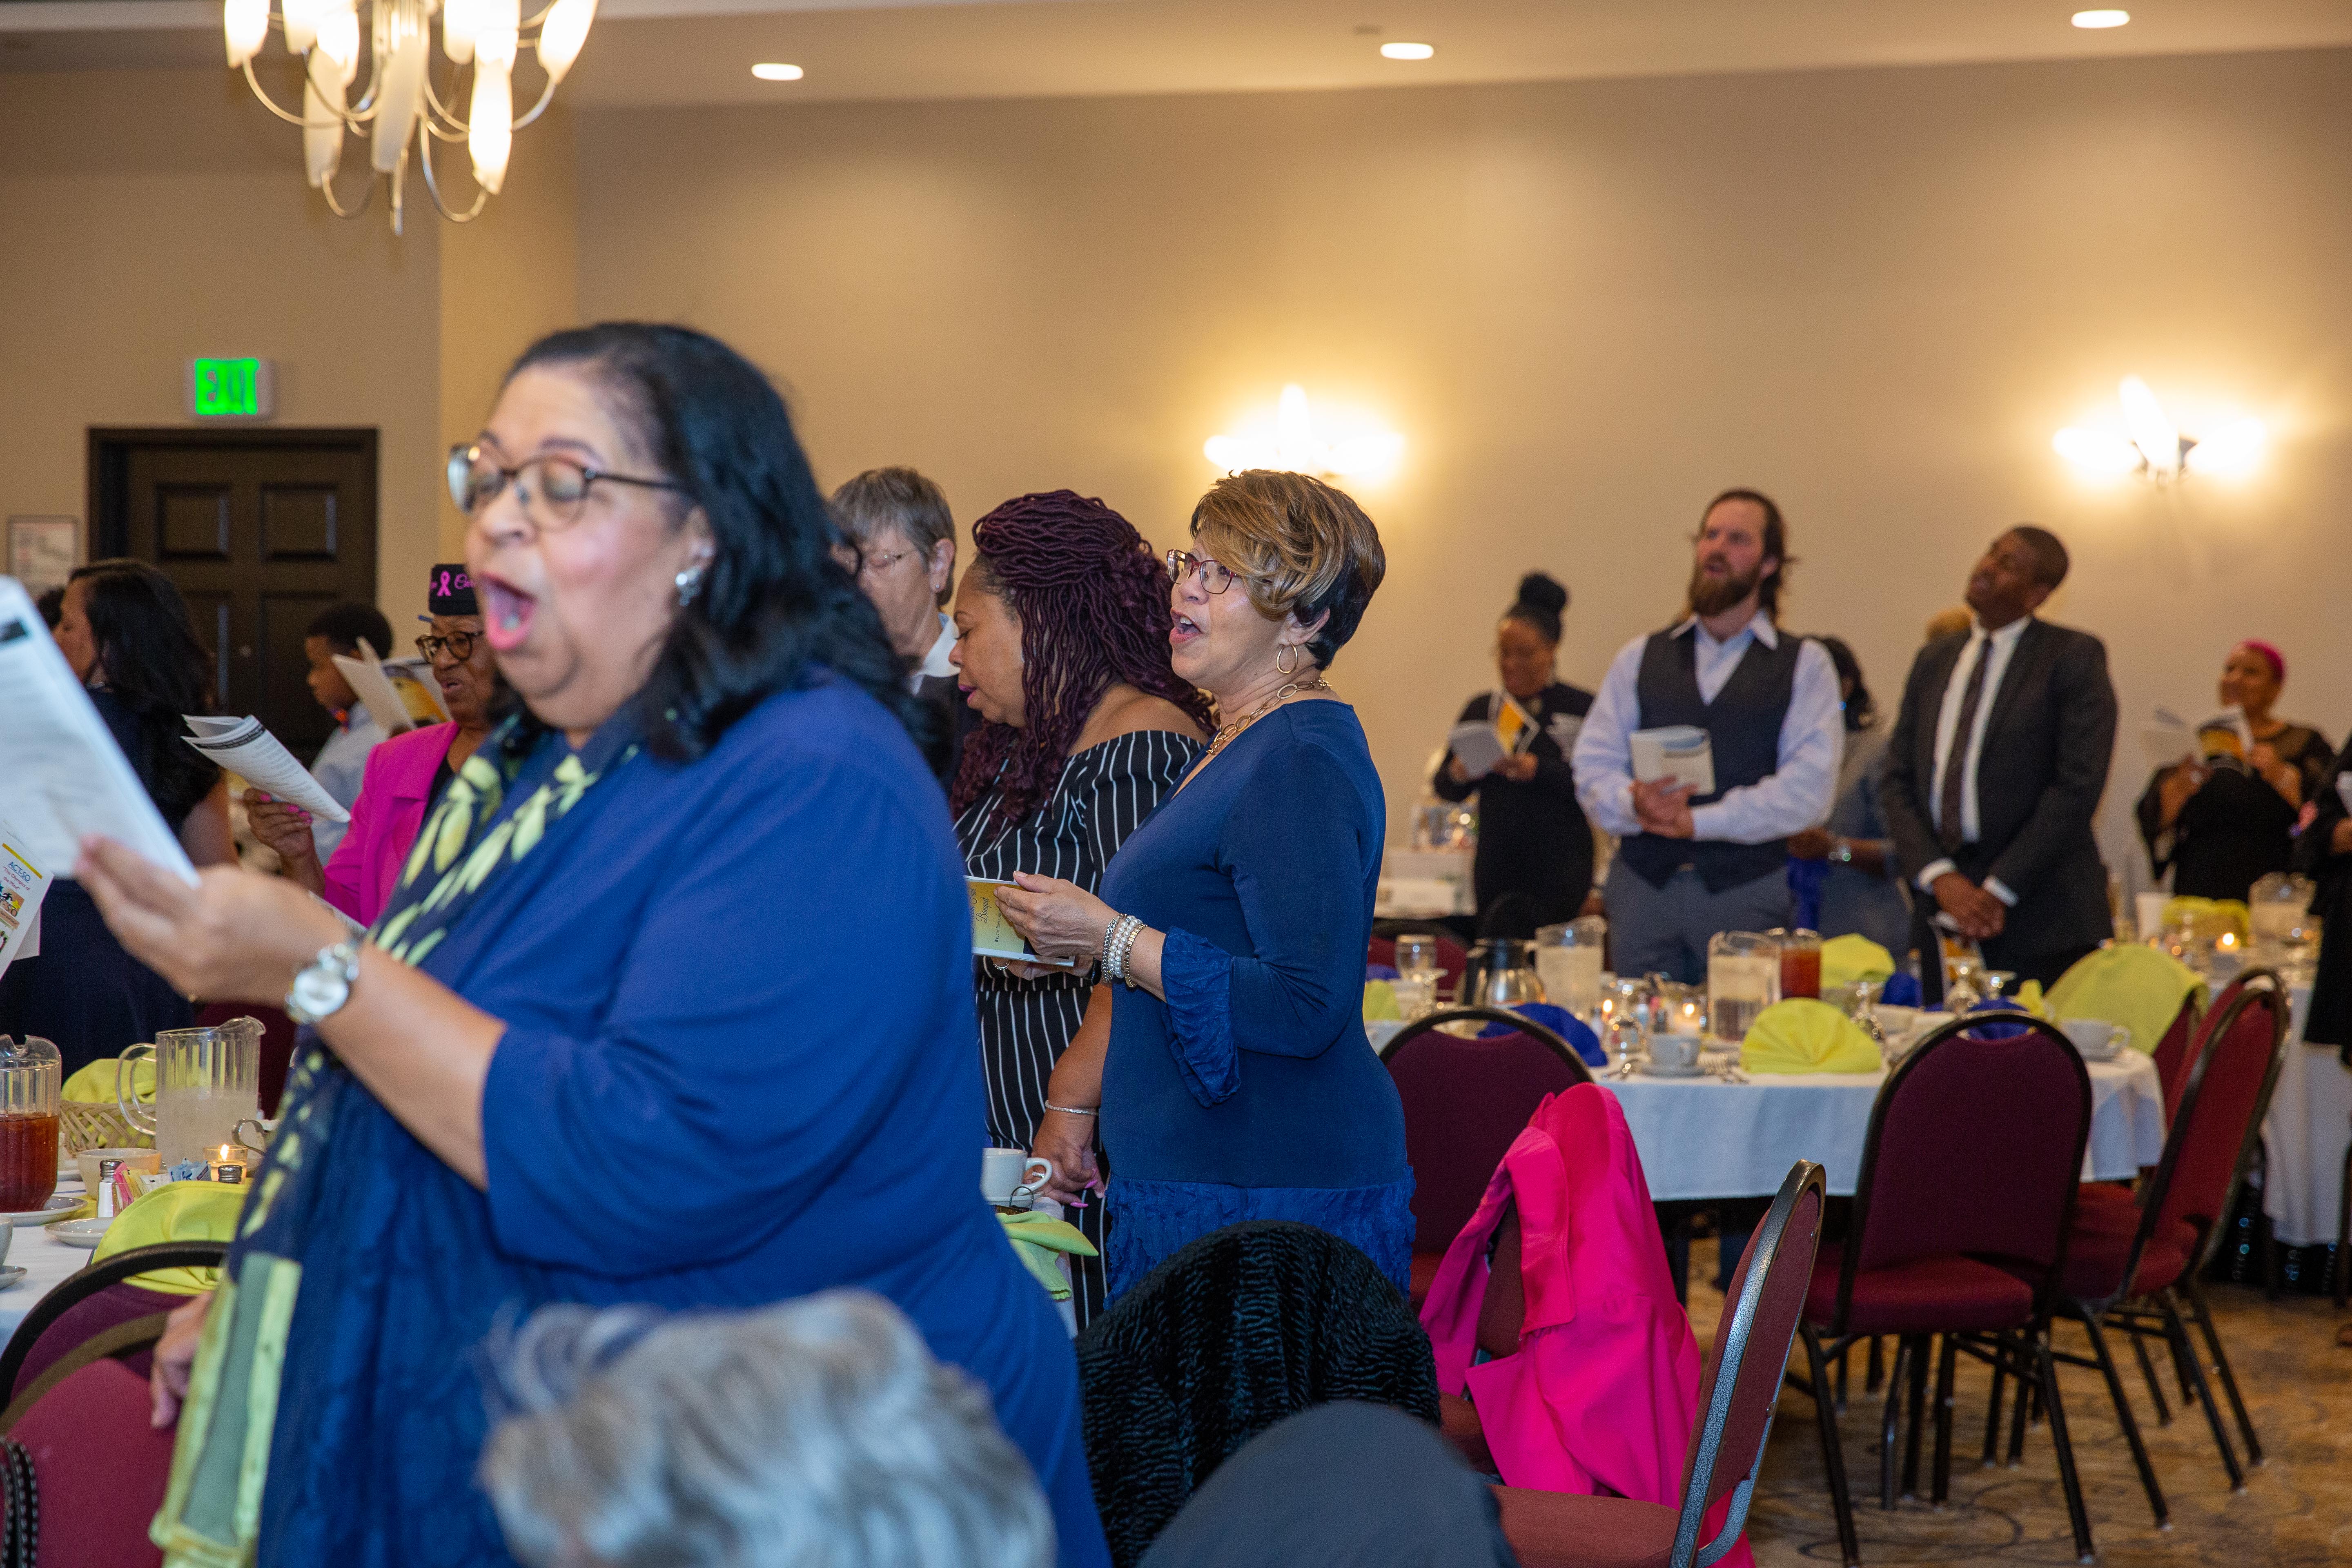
pixel 1299 546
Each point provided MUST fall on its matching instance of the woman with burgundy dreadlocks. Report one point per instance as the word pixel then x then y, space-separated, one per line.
pixel 1062 646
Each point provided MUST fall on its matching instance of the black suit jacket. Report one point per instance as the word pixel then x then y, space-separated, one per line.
pixel 2047 744
pixel 953 720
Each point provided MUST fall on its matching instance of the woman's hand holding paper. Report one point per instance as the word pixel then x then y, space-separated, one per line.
pixel 1057 918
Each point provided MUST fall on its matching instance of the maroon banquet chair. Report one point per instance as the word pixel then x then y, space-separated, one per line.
pixel 2171 1053
pixel 276 1042
pixel 100 1469
pixel 2132 1263
pixel 95 1312
pixel 1969 1172
pixel 1736 1399
pixel 1464 1101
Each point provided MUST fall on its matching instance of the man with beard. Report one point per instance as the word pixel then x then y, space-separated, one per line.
pixel 1688 865
pixel 1995 769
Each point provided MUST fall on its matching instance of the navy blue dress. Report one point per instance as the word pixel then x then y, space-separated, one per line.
pixel 737 1068
pixel 1252 1093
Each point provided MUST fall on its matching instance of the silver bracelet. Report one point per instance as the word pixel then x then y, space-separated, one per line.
pixel 1075 1109
pixel 1109 931
pixel 1122 943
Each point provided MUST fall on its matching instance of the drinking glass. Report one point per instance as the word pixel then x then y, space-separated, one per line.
pixel 1626 1038
pixel 2278 914
pixel 1567 962
pixel 2001 985
pixel 1416 995
pixel 1963 982
pixel 30 1074
pixel 1743 978
pixel 1800 962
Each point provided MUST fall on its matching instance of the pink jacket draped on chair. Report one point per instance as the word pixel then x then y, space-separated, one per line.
pixel 1603 1393
pixel 385 820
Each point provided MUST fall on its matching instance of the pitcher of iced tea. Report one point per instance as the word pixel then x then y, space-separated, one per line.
pixel 206 1081
pixel 31 1073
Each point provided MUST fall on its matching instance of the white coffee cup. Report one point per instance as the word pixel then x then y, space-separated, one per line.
pixel 1677 1052
pixel 1002 1172
pixel 2096 1038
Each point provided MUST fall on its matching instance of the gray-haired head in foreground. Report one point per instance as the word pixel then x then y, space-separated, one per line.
pixel 868 506
pixel 818 1434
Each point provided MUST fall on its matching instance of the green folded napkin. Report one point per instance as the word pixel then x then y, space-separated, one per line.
pixel 94 1083
pixel 1802 1036
pixel 177 1211
pixel 2217 914
pixel 2131 983
pixel 1035 1239
pixel 1380 1002
pixel 1846 959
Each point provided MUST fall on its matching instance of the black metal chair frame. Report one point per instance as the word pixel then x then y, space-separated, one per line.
pixel 1528 1027
pixel 2025 1353
pixel 80 1287
pixel 2159 1315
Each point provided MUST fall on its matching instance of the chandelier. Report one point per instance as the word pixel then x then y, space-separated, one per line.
pixel 399 101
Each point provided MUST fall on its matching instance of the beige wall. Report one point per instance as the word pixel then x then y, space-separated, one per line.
pixel 146 217
pixel 1588 307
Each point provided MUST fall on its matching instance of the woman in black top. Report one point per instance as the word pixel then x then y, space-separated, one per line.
pixel 125 630
pixel 1533 839
pixel 2324 853
pixel 2221 827
pixel 1062 648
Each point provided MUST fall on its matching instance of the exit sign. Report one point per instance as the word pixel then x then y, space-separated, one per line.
pixel 232 388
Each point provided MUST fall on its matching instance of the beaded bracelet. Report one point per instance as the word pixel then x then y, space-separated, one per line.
pixel 1122 943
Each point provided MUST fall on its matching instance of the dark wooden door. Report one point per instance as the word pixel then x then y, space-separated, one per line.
pixel 260 530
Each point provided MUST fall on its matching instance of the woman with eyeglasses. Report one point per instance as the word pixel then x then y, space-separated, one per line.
pixel 600 1047
pixel 1533 839
pixel 404 775
pixel 1238 1084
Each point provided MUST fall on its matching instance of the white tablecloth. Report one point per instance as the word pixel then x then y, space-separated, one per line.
pixel 1703 1138
pixel 46 1260
pixel 2305 1134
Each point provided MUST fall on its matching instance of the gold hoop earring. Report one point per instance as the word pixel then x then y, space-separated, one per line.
pixel 1290 648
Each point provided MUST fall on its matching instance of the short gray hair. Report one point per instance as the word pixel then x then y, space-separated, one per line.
pixel 880 500
pixel 816 1434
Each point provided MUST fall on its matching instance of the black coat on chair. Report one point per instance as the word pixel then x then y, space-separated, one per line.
pixel 1231 1335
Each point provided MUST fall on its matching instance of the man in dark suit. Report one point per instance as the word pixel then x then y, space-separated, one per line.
pixel 1995 769
pixel 899 540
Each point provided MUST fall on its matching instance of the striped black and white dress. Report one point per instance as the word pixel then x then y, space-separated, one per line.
pixel 1104 794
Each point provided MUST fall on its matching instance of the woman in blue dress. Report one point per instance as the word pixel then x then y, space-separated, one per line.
pixel 1237 1083
pixel 681 948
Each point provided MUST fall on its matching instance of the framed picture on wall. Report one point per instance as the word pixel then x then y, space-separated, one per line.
pixel 43 551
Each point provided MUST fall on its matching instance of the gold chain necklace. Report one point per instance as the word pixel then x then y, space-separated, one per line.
pixel 1225 735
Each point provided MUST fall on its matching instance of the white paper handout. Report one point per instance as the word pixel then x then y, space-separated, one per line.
pixel 63 777
pixel 1477 747
pixel 397 696
pixel 1682 752
pixel 254 754
pixel 23 881
pixel 2167 738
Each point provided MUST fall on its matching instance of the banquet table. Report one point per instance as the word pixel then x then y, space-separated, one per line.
pixel 46 1262
pixel 2305 1137
pixel 1704 1138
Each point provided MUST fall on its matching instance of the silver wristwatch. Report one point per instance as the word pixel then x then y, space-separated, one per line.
pixel 324 983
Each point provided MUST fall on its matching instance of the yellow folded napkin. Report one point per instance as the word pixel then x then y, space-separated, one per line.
pixel 1802 1036
pixel 2215 915
pixel 1846 959
pixel 94 1083
pixel 177 1211
pixel 1035 1239
pixel 2130 983
pixel 2029 996
pixel 1380 1002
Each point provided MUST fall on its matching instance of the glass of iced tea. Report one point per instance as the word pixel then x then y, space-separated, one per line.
pixel 30 1074
pixel 1800 962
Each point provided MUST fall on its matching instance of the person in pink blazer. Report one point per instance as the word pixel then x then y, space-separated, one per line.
pixel 404 775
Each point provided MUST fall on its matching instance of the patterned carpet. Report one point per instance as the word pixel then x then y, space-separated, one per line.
pixel 2296 1509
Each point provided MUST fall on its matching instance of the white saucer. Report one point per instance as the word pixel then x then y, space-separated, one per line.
pixel 81 1232
pixel 1656 1069
pixel 11 1275
pixel 58 1207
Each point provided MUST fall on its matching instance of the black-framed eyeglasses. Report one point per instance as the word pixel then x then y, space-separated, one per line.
pixel 1214 577
pixel 459 644
pixel 550 489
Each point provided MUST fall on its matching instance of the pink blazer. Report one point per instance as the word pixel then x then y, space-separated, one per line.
pixel 385 820
pixel 1603 1393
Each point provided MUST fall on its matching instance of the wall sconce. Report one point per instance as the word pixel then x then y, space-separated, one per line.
pixel 2154 448
pixel 1293 446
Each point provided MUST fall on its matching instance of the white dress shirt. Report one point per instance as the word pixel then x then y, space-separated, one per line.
pixel 341 766
pixel 935 663
pixel 1797 794
pixel 1997 647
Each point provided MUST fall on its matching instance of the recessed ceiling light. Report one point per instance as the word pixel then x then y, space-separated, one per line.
pixel 2101 18
pixel 1408 51
pixel 773 72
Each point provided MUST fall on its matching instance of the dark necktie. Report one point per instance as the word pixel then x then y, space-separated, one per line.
pixel 1956 763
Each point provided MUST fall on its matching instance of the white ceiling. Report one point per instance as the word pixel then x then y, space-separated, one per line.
pixel 657 52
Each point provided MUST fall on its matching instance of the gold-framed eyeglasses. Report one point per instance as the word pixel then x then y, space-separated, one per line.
pixel 552 490
pixel 459 644
pixel 859 565
pixel 1214 577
